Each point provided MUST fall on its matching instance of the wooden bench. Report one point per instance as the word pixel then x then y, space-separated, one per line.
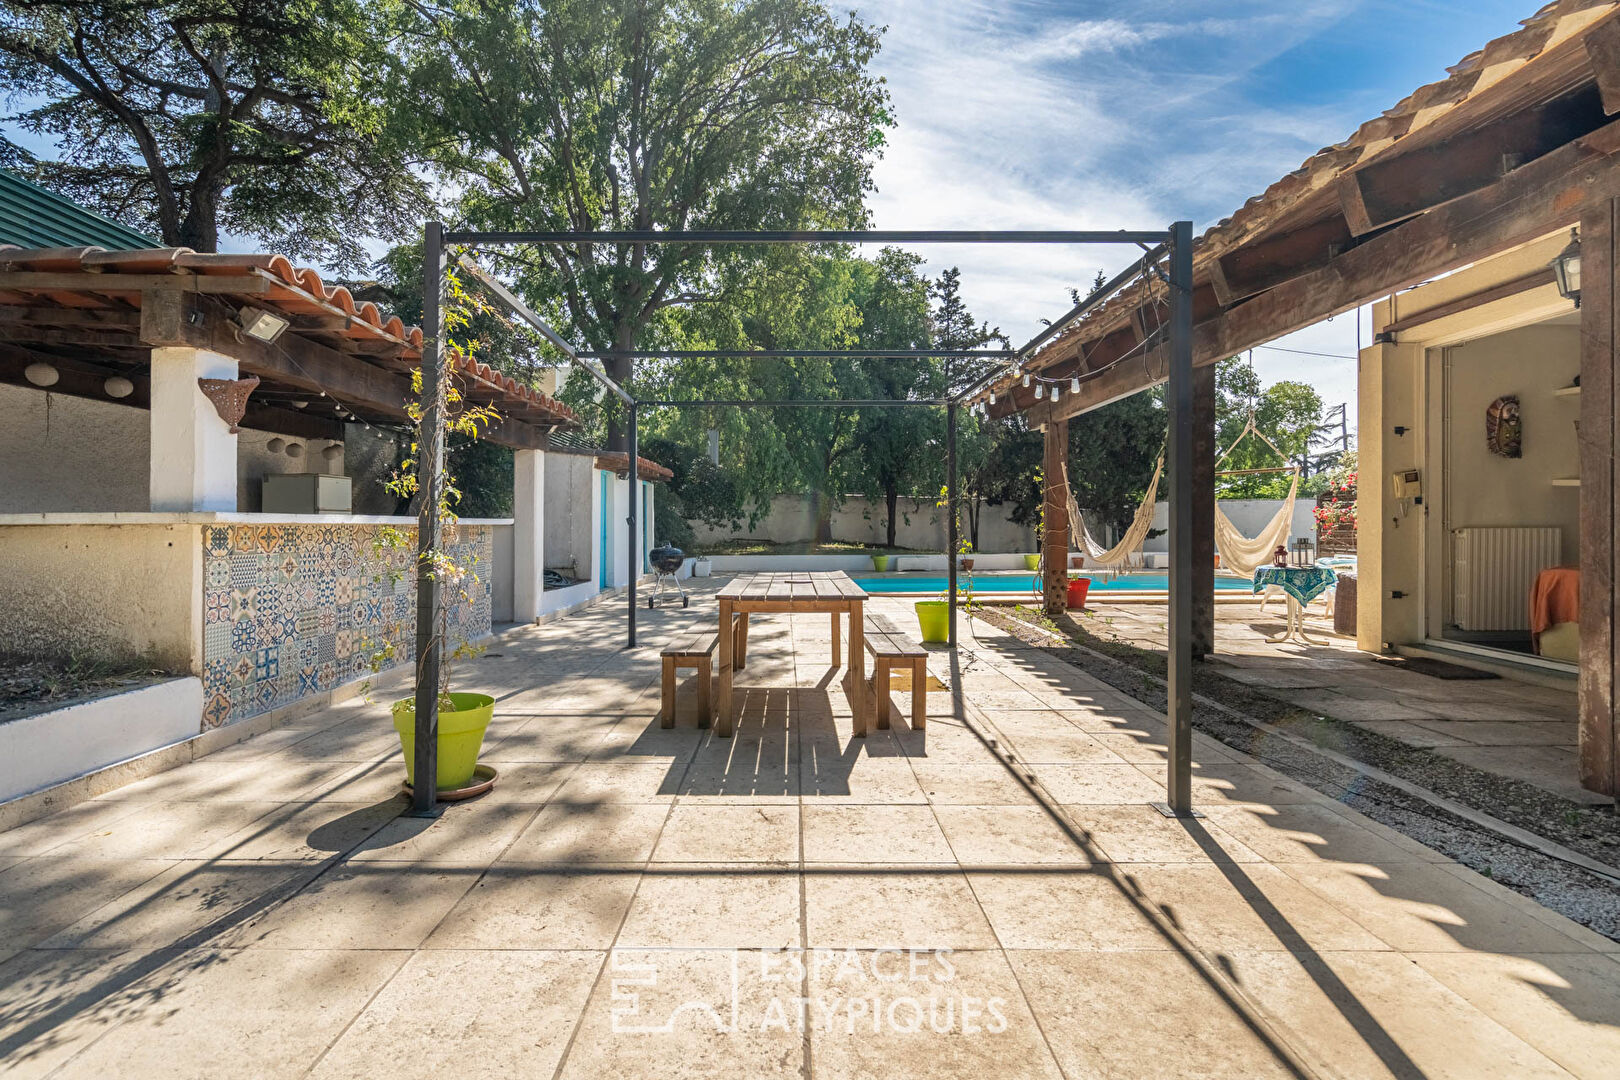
pixel 691 649
pixel 890 649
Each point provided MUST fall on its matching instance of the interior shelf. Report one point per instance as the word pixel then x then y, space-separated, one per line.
pixel 1567 391
pixel 1566 481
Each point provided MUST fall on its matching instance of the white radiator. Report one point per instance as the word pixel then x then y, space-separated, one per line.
pixel 1492 571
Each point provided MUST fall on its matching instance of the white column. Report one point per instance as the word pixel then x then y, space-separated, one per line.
pixel 528 533
pixel 193 450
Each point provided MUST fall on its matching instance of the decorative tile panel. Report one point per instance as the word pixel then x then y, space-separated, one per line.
pixel 291 611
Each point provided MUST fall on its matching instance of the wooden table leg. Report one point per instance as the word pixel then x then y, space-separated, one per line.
pixel 880 693
pixel 723 706
pixel 740 660
pixel 919 695
pixel 668 719
pixel 835 628
pixel 705 691
pixel 855 677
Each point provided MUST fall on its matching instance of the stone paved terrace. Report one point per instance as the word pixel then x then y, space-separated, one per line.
pixel 627 892
pixel 1501 726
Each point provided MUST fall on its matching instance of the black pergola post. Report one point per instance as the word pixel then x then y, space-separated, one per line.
pixel 950 512
pixel 634 551
pixel 1180 639
pixel 1155 245
pixel 429 531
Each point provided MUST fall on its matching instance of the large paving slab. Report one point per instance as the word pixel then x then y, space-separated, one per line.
pixel 633 901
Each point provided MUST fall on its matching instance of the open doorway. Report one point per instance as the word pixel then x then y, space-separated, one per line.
pixel 1503 529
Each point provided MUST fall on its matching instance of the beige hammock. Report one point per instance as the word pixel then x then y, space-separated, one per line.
pixel 1125 552
pixel 1243 555
pixel 1239 553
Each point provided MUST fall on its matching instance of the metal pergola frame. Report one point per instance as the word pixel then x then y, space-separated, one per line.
pixel 1175 243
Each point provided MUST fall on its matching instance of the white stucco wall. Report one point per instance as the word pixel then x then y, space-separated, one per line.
pixel 919 524
pixel 60 453
pixel 1249 515
pixel 570 524
pixel 63 453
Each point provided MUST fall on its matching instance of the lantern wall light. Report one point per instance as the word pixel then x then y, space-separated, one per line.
pixel 1566 269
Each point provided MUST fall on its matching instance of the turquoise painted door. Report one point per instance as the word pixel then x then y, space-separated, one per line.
pixel 646 528
pixel 604 560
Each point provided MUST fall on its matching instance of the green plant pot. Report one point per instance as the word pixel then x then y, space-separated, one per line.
pixel 880 562
pixel 934 619
pixel 461 735
pixel 1032 562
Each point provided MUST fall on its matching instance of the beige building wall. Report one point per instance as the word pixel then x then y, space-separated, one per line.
pixel 121 593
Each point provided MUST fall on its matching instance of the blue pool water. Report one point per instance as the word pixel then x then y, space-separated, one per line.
pixel 1028 583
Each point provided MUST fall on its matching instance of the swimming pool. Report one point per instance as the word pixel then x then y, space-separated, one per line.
pixel 1028 583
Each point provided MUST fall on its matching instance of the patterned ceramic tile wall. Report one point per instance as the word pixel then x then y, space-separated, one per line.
pixel 295 610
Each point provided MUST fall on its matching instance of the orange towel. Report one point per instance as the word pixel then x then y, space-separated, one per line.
pixel 1555 598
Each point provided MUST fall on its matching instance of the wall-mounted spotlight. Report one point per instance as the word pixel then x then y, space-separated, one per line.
pixel 261 325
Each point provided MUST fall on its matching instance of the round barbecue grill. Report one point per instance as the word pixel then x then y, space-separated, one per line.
pixel 666 561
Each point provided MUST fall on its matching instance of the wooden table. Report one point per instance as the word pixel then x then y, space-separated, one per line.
pixel 832 592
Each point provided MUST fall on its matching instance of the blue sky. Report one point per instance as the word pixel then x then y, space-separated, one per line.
pixel 1115 114
pixel 1067 114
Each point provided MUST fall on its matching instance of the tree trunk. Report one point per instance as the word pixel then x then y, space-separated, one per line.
pixel 619 369
pixel 823 516
pixel 891 496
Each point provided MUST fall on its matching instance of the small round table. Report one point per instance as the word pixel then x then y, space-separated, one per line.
pixel 1301 585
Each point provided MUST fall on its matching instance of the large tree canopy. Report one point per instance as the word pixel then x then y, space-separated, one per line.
pixel 643 114
pixel 186 118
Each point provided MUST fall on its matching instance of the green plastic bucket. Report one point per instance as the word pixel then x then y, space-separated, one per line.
pixel 1032 562
pixel 461 736
pixel 880 562
pixel 934 618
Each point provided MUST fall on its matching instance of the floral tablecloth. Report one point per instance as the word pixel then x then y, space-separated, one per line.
pixel 1303 583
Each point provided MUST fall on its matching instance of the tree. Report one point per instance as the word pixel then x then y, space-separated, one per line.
pixel 643 114
pixel 893 304
pixel 1288 413
pixel 1111 455
pixel 184 118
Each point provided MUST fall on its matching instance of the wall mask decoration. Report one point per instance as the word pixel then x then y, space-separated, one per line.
pixel 1504 430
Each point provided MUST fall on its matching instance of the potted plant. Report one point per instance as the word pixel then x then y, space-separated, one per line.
pixel 463 716
pixel 880 563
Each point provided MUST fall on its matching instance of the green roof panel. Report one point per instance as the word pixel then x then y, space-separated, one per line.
pixel 32 217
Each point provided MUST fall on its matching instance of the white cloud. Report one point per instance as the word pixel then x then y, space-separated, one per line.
pixel 1054 114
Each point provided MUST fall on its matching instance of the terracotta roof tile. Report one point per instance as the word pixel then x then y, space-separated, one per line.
pixel 293 290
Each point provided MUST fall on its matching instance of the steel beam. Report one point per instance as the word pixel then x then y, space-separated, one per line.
pixel 809 354
pixel 816 236
pixel 804 403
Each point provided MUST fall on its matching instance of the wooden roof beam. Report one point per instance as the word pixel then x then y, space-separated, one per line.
pixel 1268 262
pixel 1394 189
pixel 1541 198
pixel 171 319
